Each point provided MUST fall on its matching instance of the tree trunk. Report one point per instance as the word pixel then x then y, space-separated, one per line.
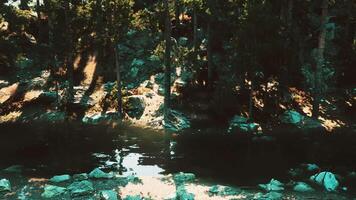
pixel 250 105
pixel 118 81
pixel 52 54
pixel 195 35
pixel 69 57
pixel 167 63
pixel 210 57
pixel 177 13
pixel 320 61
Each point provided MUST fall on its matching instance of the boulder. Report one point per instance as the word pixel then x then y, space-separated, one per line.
pixel 302 187
pixel 326 179
pixel 273 185
pixel 81 188
pixel 99 174
pixel 108 195
pixel 294 119
pixel 182 178
pixel 182 41
pixel 60 178
pixel 52 117
pixel 176 122
pixel 135 106
pixel 16 169
pixel 98 118
pixel 239 124
pixel 5 185
pixel 160 91
pixel 3 83
pixel 51 191
pixel 80 177
pixel 291 117
pixel 47 97
pixel 223 191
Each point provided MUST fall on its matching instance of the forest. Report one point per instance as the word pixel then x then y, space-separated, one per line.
pixel 177 99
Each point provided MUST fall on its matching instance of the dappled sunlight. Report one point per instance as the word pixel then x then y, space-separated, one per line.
pixel 7 92
pixel 330 124
pixel 89 70
pixel 31 95
pixel 10 117
pixel 303 100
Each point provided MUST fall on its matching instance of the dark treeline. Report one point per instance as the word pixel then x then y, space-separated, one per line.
pixel 227 46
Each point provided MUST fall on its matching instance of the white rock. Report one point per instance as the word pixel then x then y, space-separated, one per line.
pixel 326 179
pixel 5 185
pixel 302 187
pixel 273 185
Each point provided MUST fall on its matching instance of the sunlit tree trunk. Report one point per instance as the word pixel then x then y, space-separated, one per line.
pixel 167 62
pixel 320 60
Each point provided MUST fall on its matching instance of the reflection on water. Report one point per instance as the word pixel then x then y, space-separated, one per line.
pixel 47 149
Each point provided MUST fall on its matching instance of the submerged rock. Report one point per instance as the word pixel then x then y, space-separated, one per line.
pixel 16 169
pixel 51 191
pixel 273 185
pixel 98 173
pixel 108 195
pixel 182 178
pixel 81 188
pixel 326 179
pixel 80 177
pixel 223 191
pixel 302 187
pixel 268 196
pixel 239 124
pixel 60 178
pixel 5 185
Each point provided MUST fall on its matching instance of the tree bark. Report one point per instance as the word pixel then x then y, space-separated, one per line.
pixel 69 58
pixel 250 105
pixel 210 57
pixel 118 81
pixel 177 13
pixel 195 34
pixel 52 54
pixel 320 60
pixel 167 63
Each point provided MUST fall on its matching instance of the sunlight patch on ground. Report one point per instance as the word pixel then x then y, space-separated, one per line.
pixel 330 124
pixel 7 92
pixel 11 117
pixel 32 94
pixel 152 187
pixel 303 100
pixel 89 70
